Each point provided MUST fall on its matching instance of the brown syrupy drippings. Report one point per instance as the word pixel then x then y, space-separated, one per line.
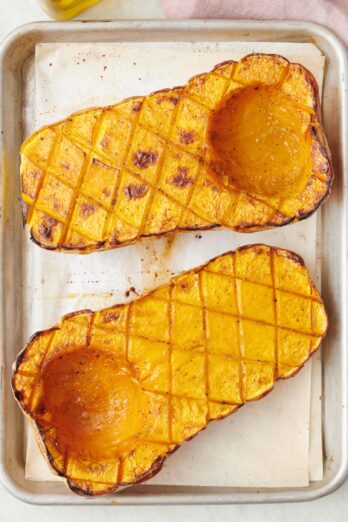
pixel 46 228
pixel 87 209
pixel 187 137
pixel 181 179
pixel 144 158
pixel 134 191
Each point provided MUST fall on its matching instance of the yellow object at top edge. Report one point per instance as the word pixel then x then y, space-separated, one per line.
pixel 65 9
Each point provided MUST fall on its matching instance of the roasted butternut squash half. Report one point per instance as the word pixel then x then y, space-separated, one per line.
pixel 240 147
pixel 112 393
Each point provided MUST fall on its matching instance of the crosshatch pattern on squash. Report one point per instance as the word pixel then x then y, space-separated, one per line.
pixel 150 165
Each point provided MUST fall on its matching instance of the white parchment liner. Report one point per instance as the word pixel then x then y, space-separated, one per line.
pixel 275 442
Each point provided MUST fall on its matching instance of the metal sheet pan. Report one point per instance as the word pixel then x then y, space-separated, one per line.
pixel 16 50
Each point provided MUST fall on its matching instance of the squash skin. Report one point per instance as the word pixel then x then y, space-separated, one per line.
pixel 175 185
pixel 260 369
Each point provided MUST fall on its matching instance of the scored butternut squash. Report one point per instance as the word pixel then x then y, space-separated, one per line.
pixel 240 147
pixel 112 393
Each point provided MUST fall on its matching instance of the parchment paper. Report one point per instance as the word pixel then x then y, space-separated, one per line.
pixel 275 442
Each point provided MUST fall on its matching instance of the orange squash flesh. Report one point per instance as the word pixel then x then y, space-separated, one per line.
pixel 112 393
pixel 240 147
pixel 269 157
pixel 93 402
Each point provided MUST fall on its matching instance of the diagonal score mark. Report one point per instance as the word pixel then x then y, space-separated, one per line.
pixel 204 318
pixel 170 323
pixel 239 330
pixel 166 142
pixel 88 158
pixel 134 121
pixel 45 174
pixel 275 308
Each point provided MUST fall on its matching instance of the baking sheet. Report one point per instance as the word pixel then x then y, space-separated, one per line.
pixel 266 443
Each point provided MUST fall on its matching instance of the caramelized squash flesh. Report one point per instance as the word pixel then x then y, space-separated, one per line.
pixel 240 147
pixel 258 134
pixel 112 393
pixel 94 402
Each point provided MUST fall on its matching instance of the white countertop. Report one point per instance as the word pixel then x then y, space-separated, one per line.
pixel 331 508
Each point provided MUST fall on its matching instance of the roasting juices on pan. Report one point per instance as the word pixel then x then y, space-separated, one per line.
pixel 112 393
pixel 240 147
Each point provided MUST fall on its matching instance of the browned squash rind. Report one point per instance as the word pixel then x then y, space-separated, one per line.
pixel 106 177
pixel 197 349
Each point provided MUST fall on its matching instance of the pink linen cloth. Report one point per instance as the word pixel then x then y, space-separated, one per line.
pixel 331 13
